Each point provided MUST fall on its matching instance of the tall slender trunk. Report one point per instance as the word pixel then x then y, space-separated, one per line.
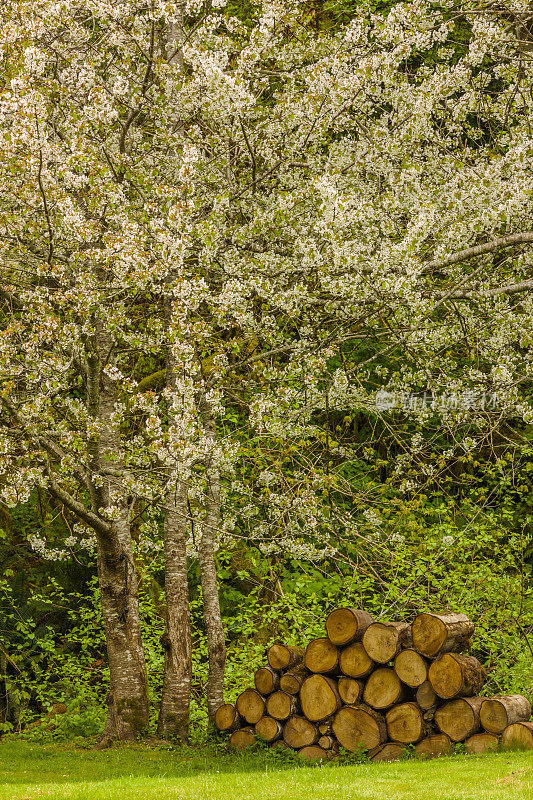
pixel 216 638
pixel 176 696
pixel 128 691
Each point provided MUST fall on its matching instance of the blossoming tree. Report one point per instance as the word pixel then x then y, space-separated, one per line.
pixel 200 202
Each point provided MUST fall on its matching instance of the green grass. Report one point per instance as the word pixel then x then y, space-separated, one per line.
pixel 61 772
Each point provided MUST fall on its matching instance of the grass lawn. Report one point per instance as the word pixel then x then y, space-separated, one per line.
pixel 61 772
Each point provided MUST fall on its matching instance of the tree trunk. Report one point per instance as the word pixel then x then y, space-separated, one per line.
pixel 216 637
pixel 176 695
pixel 127 715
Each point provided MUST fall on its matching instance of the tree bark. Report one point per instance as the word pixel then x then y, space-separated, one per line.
pixel 128 691
pixel 216 637
pixel 176 694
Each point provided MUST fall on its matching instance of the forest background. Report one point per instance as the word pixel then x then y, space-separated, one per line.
pixel 266 341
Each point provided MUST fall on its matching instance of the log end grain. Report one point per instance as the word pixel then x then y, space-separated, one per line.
pixel 383 688
pixel 319 697
pixel 459 718
pixel 391 751
pixel 322 656
pixel 345 625
pixel 405 723
pixel 227 718
pixel 350 690
pixel 518 735
pixel 481 743
pixel 499 712
pixel 434 746
pixel 455 675
pixel 242 739
pixel 355 662
pixel 313 752
pixel 251 706
pixel 266 680
pixel 299 732
pixel 411 668
pixel 359 727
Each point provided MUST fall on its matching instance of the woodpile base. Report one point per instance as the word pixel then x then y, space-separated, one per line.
pixel 378 687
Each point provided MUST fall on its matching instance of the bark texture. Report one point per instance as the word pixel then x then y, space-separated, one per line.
pixel 216 637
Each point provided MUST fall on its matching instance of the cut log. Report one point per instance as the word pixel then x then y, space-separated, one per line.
pixel 405 723
pixel 284 656
pixel 251 706
pixel 227 718
pixel 312 751
pixel 291 682
pixel 242 739
pixel 411 668
pixel 299 732
pixel 269 729
pixel 322 656
pixel 426 696
pixel 359 727
pixel 355 662
pixel 454 675
pixel 350 690
pixel 434 634
pixel 391 751
pixel 266 680
pixel 481 743
pixel 327 742
pixel 279 743
pixel 383 688
pixel 325 727
pixel 383 640
pixel 346 625
pixel 281 705
pixel 434 746
pixel 459 718
pixel 500 711
pixel 518 734
pixel 319 697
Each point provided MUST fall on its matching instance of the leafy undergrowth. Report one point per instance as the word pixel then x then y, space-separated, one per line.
pixel 28 772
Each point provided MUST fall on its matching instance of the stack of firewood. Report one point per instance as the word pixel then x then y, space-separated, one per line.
pixel 377 687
